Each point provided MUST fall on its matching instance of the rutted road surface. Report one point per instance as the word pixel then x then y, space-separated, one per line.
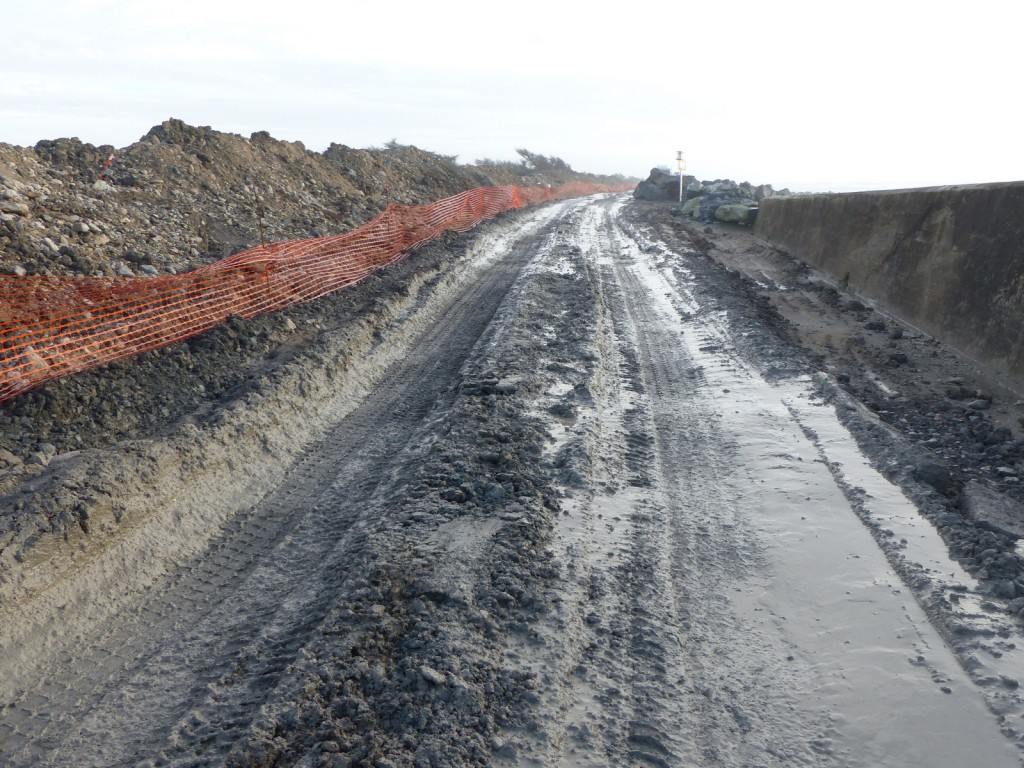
pixel 581 507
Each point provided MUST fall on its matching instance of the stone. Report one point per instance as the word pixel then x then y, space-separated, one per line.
pixel 998 511
pixel 39 458
pixel 1005 589
pixel 15 207
pixel 662 186
pixel 506 387
pixel 494 493
pixel 934 474
pixel 80 228
pixel 691 208
pixel 736 213
pixel 979 405
pixel 432 676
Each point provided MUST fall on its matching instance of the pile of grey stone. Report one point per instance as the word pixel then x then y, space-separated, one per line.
pixel 718 200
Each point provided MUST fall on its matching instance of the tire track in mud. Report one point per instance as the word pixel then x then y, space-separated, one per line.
pixel 177 679
pixel 666 652
pixel 680 539
pixel 612 673
pixel 721 705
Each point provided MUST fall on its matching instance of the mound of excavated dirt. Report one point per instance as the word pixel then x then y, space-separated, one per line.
pixel 181 197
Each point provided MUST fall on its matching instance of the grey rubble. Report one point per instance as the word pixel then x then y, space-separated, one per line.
pixel 721 199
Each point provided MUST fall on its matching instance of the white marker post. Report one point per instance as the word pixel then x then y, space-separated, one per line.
pixel 682 167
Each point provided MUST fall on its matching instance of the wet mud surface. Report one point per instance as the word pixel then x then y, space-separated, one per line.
pixel 583 487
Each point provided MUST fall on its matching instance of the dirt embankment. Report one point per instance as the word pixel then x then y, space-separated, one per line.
pixel 181 197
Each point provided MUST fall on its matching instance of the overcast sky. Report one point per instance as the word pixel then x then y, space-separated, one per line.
pixel 807 95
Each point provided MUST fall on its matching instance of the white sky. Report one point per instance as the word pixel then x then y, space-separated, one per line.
pixel 807 95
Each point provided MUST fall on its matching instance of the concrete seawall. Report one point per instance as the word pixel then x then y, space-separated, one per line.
pixel 949 260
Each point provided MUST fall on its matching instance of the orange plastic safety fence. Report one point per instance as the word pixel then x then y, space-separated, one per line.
pixel 57 326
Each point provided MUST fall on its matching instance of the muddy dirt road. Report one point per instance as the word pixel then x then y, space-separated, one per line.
pixel 583 500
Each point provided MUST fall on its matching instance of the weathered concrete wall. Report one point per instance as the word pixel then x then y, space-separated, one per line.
pixel 949 260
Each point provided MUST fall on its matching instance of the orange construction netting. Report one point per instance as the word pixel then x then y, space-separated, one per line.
pixel 57 326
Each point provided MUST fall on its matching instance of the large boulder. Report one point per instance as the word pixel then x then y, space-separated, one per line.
pixel 736 213
pixel 691 208
pixel 662 186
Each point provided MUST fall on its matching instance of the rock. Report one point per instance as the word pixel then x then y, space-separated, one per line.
pixel 736 213
pixel 15 207
pixel 691 208
pixel 454 494
pixel 494 493
pixel 506 387
pixel 997 510
pixel 934 474
pixel 1005 589
pixel 8 459
pixel 661 186
pixel 432 676
pixel 979 405
pixel 80 228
